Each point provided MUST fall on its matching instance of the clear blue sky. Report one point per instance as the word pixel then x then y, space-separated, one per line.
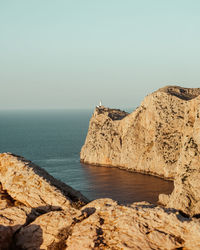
pixel 72 53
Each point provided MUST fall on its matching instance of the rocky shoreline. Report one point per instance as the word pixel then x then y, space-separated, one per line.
pixel 162 135
pixel 131 170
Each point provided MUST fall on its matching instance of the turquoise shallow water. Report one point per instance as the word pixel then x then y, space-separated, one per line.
pixel 53 139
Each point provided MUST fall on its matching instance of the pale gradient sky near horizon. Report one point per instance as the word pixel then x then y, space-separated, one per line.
pixel 73 53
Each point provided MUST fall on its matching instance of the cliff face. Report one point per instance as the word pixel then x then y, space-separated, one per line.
pixel 150 139
pixel 39 212
pixel 186 193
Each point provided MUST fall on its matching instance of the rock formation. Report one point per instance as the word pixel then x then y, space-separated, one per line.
pixel 148 140
pixel 33 186
pixel 161 137
pixel 64 219
pixel 26 192
pixel 186 194
pixel 140 226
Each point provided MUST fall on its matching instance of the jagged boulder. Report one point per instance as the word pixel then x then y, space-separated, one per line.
pixel 33 186
pixel 148 140
pixel 46 231
pixel 28 192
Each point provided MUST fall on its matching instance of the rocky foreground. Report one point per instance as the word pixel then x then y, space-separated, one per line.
pixel 161 137
pixel 39 212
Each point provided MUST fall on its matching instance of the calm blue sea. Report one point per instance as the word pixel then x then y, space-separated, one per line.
pixel 53 140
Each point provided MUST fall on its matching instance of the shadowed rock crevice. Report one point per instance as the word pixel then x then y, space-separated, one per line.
pixel 99 242
pixel 7 240
pixel 6 199
pixel 10 234
pixel 36 229
pixel 113 114
pixel 66 232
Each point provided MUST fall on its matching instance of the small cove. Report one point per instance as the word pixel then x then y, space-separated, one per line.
pixel 123 186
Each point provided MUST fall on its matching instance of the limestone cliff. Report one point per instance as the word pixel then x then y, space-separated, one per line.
pixel 186 194
pixel 38 212
pixel 150 139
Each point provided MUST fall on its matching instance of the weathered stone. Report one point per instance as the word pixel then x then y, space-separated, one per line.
pixel 34 187
pixel 186 193
pixel 148 140
pixel 103 224
pixel 11 219
pixel 26 192
pixel 141 226
pixel 5 199
pixel 46 231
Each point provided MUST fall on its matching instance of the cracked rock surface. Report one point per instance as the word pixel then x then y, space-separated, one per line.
pixel 140 226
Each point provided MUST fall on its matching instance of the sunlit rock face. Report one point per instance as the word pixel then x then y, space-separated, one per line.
pixel 140 226
pixel 150 139
pixel 26 193
pixel 33 186
pixel 186 194
pixel 103 224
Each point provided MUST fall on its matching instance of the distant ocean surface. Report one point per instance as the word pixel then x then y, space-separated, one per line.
pixel 53 140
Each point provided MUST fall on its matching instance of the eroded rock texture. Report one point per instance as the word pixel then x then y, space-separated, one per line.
pixel 26 193
pixel 141 226
pixel 33 186
pixel 46 231
pixel 161 137
pixel 102 224
pixel 186 194
pixel 150 139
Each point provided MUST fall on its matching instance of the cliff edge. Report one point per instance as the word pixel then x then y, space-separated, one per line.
pixel 148 140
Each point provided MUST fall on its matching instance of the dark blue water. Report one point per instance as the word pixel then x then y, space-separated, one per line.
pixel 53 140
